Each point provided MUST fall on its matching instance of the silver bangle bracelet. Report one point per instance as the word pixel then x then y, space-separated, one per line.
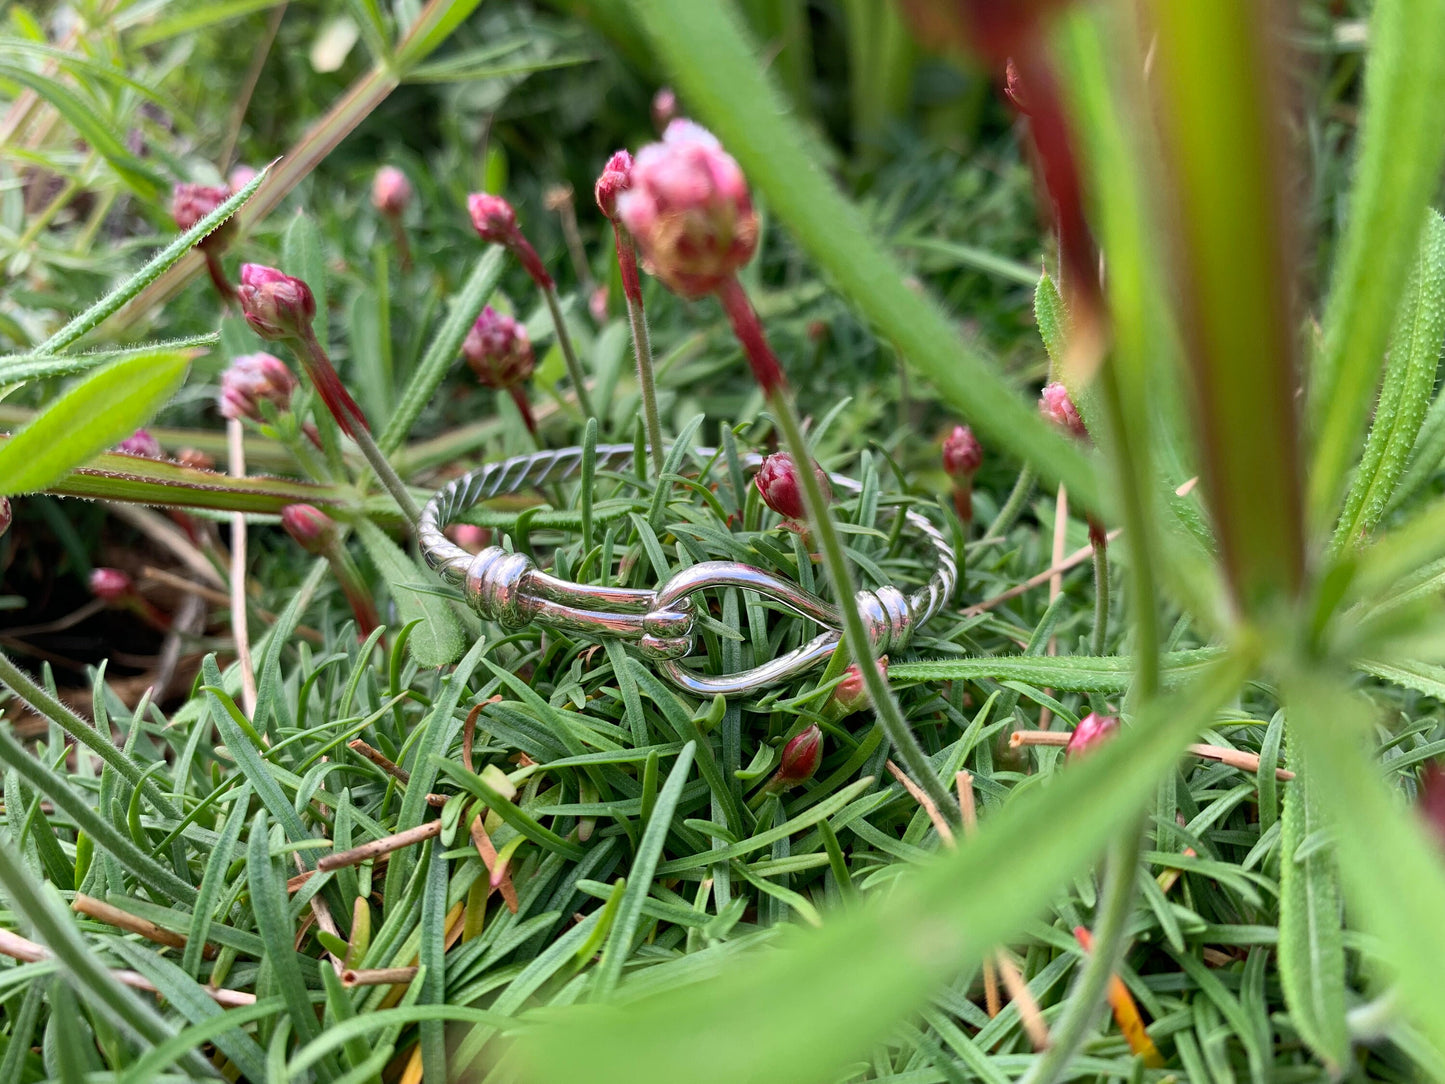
pixel 510 589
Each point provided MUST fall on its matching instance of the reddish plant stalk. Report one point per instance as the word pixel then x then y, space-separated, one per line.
pixel 519 396
pixel 218 276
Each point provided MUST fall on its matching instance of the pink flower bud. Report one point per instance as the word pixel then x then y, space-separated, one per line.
pixel 6 514
pixel 141 443
pixel 312 529
pixel 781 488
pixel 277 306
pixel 801 757
pixel 469 536
pixel 1013 88
pixel 689 210
pixel 493 217
pixel 252 378
pixel 498 350
pixel 192 202
pixel 240 177
pixel 851 694
pixel 195 459
pixel 390 191
pixel 1056 406
pixel 1432 800
pixel 664 108
pixel 110 585
pixel 616 178
pixel 962 453
pixel 1093 730
pixel 597 304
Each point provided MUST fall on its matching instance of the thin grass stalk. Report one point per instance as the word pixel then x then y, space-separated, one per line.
pixel 1086 997
pixel 569 352
pixel 765 366
pixel 1012 505
pixel 1101 600
pixel 641 342
pixel 240 630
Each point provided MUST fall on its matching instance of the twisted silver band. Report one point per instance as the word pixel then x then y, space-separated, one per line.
pixel 509 588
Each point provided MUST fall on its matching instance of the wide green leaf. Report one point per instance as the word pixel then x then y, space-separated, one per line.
pixel 1402 145
pixel 1405 395
pixel 1391 869
pixel 97 412
pixel 1311 939
pixel 801 1012
pixel 437 640
pixel 726 86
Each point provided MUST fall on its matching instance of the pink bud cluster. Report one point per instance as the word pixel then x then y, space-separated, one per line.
pixel 111 585
pixel 496 221
pixel 190 203
pixel 312 529
pixel 277 306
pixel 142 444
pixel 689 209
pixel 253 379
pixel 782 489
pixel 962 456
pixel 390 191
pixel 1057 406
pixel 1093 731
pixel 498 350
pixel 801 757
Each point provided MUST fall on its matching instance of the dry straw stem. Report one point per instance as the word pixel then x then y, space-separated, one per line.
pixel 377 976
pixel 27 951
pixel 1073 560
pixel 391 768
pixel 1029 1013
pixel 501 876
pixel 1235 758
pixel 108 913
pixel 384 845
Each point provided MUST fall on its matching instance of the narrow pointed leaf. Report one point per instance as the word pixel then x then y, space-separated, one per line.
pixel 437 640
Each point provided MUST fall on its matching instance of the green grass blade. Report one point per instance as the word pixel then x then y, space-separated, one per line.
pixel 1311 938
pixel 1405 396
pixel 799 1014
pixel 79 808
pixel 43 703
pixel 1075 673
pixel 444 349
pixel 213 881
pixel 269 904
pixel 639 878
pixel 1390 868
pixel 18 368
pixel 96 413
pixel 108 305
pixel 80 965
pixel 437 640
pixel 1402 145
pixel 727 88
pixel 158 1058
pixel 432 957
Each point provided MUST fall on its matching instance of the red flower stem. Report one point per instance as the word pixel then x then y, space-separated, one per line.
pixel 352 421
pixel 963 504
pixel 519 396
pixel 527 256
pixel 641 342
pixel 769 373
pixel 218 277
pixel 148 612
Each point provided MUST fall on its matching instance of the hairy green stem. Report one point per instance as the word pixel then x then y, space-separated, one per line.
pixel 569 352
pixel 28 690
pixel 1101 600
pixel 780 401
pixel 1013 505
pixel 1086 996
pixel 641 344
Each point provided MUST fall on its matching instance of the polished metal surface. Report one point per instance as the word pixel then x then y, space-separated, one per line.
pixel 509 588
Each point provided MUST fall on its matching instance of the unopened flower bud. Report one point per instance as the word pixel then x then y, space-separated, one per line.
pixel 851 694
pixel 615 179
pixel 195 459
pixel 962 453
pixel 6 514
pixel 597 304
pixel 240 177
pixel 782 489
pixel 252 378
pixel 390 191
pixel 1432 800
pixel 1057 406
pixel 689 210
pixel 498 350
pixel 469 536
pixel 110 585
pixel 493 217
pixel 1093 730
pixel 664 108
pixel 801 757
pixel 277 306
pixel 192 202
pixel 141 443
pixel 312 529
